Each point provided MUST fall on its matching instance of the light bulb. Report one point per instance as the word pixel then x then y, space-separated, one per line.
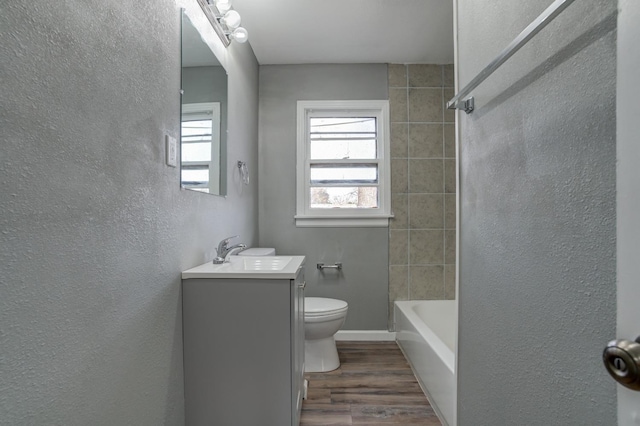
pixel 223 6
pixel 231 19
pixel 240 35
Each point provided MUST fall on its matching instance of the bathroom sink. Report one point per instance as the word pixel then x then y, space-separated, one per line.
pixel 266 263
pixel 259 267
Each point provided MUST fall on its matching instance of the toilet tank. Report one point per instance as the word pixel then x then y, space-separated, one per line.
pixel 258 251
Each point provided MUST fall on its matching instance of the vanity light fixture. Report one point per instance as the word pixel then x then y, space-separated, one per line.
pixel 226 21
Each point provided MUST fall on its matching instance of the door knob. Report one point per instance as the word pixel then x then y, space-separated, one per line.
pixel 622 360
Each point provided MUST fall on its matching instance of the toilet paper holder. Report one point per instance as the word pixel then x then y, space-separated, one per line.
pixel 322 266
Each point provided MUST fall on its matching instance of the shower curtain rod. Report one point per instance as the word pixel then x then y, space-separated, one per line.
pixel 459 101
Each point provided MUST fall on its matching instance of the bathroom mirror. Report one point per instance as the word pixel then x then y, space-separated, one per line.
pixel 203 130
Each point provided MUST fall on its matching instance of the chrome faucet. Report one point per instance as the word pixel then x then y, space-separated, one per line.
pixel 224 250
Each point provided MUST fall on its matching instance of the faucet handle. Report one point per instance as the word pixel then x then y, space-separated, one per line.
pixel 228 239
pixel 224 244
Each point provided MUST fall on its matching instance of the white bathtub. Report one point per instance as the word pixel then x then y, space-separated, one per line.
pixel 425 331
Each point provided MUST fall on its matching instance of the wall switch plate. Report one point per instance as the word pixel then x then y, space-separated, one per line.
pixel 172 151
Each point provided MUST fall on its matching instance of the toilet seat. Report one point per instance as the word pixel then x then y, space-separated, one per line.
pixel 315 307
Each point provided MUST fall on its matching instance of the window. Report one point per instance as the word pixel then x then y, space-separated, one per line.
pixel 343 163
pixel 200 146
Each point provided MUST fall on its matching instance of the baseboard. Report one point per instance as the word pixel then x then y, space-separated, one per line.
pixel 366 335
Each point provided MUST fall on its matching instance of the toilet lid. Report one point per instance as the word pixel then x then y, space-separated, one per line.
pixel 322 306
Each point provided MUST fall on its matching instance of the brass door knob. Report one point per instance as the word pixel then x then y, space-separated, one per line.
pixel 622 360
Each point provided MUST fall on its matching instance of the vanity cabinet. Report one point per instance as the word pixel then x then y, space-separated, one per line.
pixel 244 350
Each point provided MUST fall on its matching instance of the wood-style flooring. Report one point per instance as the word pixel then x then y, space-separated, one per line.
pixel 373 386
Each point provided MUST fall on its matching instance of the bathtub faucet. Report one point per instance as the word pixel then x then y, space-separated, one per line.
pixel 224 250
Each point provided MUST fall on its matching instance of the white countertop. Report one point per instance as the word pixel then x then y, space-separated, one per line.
pixel 259 267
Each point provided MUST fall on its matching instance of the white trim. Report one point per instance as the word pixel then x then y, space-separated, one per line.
pixel 378 217
pixel 458 117
pixel 366 335
pixel 381 221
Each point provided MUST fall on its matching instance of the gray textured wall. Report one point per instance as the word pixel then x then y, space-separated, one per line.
pixel 363 282
pixel 537 249
pixel 94 227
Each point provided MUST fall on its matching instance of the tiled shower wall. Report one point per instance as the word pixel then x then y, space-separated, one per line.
pixel 422 238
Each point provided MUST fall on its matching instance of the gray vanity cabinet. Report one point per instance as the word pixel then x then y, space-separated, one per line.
pixel 243 350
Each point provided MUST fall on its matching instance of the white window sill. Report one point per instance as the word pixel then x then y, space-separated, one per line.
pixel 377 221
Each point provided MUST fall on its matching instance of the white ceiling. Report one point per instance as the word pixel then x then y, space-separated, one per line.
pixel 349 31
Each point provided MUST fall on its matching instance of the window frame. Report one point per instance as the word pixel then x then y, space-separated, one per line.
pixel 342 217
pixel 203 111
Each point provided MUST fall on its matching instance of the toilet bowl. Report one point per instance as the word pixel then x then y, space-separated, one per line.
pixel 323 317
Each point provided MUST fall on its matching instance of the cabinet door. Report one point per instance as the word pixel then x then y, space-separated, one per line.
pixel 297 345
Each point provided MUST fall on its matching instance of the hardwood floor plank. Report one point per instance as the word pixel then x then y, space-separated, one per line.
pixel 365 381
pixel 393 414
pixel 379 397
pixel 373 386
pixel 325 414
pixel 317 395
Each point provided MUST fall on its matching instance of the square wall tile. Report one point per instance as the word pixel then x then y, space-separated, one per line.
pixel 425 105
pixel 426 247
pixel 450 247
pixel 399 176
pixel 425 75
pixel 397 75
pixel 448 76
pixel 426 176
pixel 426 282
pixel 399 140
pixel 449 140
pixel 398 105
pixel 449 114
pixel 425 140
pixel 450 211
pixel 426 211
pixel 391 325
pixel 450 176
pixel 450 282
pixel 398 283
pixel 400 209
pixel 398 247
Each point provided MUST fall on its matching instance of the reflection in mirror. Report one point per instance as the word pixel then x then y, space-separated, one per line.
pixel 204 115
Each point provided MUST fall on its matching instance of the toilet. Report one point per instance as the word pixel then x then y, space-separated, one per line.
pixel 323 317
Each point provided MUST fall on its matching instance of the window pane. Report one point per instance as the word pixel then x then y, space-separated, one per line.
pixel 195 176
pixel 343 137
pixel 336 173
pixel 196 151
pixel 343 124
pixel 343 149
pixel 196 130
pixel 344 197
